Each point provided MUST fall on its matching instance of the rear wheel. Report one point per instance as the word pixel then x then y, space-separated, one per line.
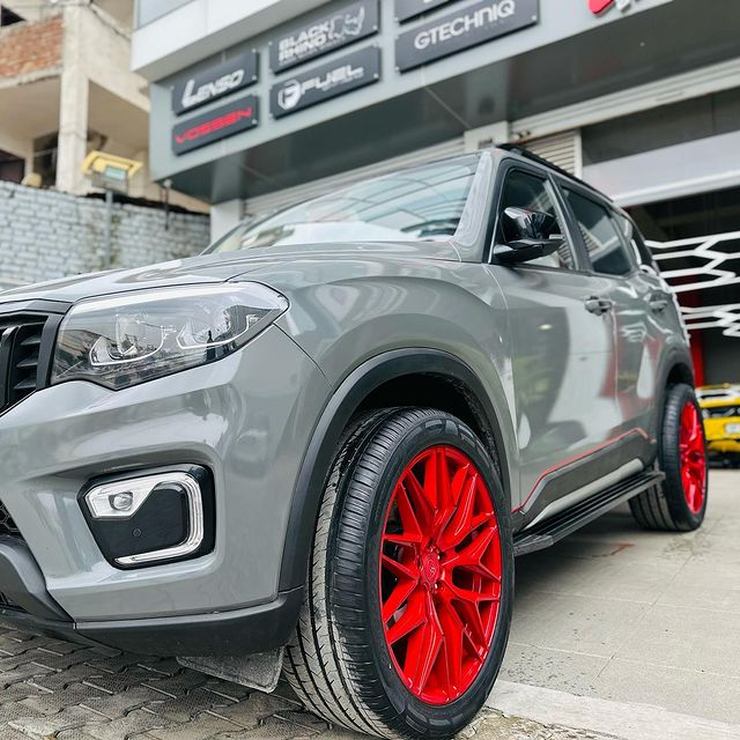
pixel 410 587
pixel 679 503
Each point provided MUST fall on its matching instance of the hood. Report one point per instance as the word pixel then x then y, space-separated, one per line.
pixel 221 267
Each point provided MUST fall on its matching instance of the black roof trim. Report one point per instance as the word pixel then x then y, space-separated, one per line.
pixel 527 154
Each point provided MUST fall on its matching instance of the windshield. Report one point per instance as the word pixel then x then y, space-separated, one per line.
pixel 418 203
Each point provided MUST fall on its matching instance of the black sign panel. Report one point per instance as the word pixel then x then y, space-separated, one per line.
pixel 226 120
pixel 350 72
pixel 469 26
pixel 213 83
pixel 406 9
pixel 345 25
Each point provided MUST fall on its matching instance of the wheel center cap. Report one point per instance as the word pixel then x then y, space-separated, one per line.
pixel 430 567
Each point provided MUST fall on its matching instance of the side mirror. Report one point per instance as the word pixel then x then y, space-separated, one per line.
pixel 528 236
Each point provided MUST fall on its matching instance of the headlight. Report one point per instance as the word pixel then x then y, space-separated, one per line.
pixel 130 338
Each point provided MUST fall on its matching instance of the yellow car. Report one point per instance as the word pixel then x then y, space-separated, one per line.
pixel 720 406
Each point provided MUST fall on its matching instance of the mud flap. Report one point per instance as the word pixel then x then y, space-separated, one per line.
pixel 259 671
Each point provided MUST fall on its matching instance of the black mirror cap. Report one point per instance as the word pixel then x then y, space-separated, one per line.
pixel 525 250
pixel 522 224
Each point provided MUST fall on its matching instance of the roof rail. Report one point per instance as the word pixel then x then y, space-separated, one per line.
pixel 527 154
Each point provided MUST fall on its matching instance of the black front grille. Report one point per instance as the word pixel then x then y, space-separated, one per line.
pixel 719 412
pixel 7 525
pixel 23 359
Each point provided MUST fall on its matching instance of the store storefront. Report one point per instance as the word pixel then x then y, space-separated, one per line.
pixel 254 107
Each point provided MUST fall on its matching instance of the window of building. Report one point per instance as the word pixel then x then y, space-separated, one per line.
pixel 11 167
pixel 8 17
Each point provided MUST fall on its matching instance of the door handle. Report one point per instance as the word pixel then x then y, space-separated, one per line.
pixel 598 306
pixel 658 302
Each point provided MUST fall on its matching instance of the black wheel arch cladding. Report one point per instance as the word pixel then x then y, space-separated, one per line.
pixel 338 413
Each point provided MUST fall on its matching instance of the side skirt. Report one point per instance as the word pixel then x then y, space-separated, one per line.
pixel 549 531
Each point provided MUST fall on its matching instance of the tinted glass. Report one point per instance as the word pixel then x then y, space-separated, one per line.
pixel 419 203
pixel 633 237
pixel 522 190
pixel 605 248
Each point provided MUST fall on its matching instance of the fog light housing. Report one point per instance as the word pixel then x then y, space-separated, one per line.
pixel 151 518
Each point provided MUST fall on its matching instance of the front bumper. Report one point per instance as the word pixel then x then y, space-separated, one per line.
pixel 247 418
pixel 724 446
pixel 28 606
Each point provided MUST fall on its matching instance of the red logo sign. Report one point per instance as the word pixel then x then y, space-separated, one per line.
pixel 599 6
pixel 229 119
pixel 215 124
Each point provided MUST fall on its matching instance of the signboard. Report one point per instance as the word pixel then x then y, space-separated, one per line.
pixel 227 120
pixel 316 85
pixel 597 7
pixel 347 24
pixel 407 9
pixel 213 83
pixel 469 26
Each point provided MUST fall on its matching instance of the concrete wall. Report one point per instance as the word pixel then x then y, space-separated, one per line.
pixel 45 234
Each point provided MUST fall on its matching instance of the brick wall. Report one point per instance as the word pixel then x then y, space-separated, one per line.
pixel 45 234
pixel 31 47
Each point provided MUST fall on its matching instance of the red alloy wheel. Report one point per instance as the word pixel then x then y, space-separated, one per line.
pixel 693 458
pixel 440 574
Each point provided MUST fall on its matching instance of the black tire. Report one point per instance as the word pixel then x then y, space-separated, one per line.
pixel 338 662
pixel 665 507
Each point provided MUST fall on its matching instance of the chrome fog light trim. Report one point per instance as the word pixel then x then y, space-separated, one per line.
pixel 120 500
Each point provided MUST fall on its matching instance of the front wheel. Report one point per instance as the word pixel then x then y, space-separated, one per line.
pixel 680 502
pixel 410 588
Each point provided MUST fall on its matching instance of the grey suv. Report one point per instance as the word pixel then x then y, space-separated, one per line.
pixel 325 440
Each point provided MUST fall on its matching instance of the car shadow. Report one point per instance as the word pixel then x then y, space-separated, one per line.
pixel 608 536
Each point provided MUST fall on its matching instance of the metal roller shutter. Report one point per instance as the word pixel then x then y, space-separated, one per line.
pixel 281 198
pixel 563 150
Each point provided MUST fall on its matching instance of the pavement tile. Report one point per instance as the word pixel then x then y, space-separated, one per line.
pixel 715 586
pixel 114 706
pixel 137 721
pixel 9 733
pixel 43 727
pixel 202 728
pixel 179 684
pixel 279 728
pixel 227 690
pixel 56 661
pixel 612 612
pixel 11 645
pixel 56 680
pixel 687 638
pixel 78 733
pixel 684 691
pixel 255 708
pixel 611 574
pixel 187 707
pixel 51 703
pixel 117 663
pixel 586 624
pixel 15 710
pixel 18 691
pixel 567 671
pixel 115 682
pixel 23 672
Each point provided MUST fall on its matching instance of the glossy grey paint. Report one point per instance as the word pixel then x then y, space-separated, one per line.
pixel 551 371
pixel 247 417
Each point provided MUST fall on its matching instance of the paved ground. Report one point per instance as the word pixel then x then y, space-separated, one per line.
pixel 617 633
